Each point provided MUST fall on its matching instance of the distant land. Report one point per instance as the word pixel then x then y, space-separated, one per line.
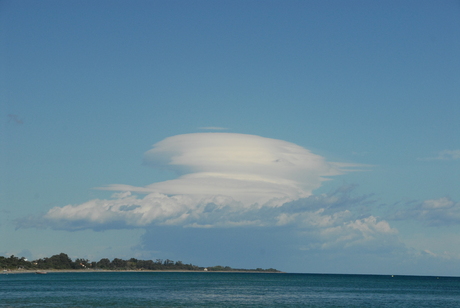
pixel 63 262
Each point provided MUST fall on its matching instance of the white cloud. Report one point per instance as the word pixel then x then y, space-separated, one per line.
pixel 248 168
pixel 445 155
pixel 232 181
pixel 433 212
pixel 325 222
pixel 332 228
pixel 360 232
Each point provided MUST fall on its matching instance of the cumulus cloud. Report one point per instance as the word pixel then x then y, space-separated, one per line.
pixel 233 181
pixel 125 210
pixel 325 222
pixel 369 232
pixel 433 212
pixel 444 155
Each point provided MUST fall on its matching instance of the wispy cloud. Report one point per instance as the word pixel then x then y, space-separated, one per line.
pixel 433 212
pixel 444 155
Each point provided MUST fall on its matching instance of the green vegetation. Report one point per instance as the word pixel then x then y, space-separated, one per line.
pixel 63 262
pixel 219 268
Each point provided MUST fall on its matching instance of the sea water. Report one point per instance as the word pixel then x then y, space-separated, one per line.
pixel 208 289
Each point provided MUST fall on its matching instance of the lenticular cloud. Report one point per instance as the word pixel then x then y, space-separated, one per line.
pixel 224 180
pixel 250 169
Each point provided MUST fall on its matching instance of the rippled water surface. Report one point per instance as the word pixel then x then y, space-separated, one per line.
pixel 165 289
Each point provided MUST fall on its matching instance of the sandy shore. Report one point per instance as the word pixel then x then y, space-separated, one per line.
pixel 121 271
pixel 85 271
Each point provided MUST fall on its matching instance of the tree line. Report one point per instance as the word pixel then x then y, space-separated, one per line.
pixel 63 262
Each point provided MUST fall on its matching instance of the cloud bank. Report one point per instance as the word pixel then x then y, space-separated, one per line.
pixel 245 193
pixel 225 180
pixel 329 222
pixel 234 181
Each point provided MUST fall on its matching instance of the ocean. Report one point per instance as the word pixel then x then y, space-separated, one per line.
pixel 208 289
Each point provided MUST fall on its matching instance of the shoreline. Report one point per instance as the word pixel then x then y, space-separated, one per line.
pixel 48 271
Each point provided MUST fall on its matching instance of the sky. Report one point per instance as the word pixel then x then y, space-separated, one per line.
pixel 307 136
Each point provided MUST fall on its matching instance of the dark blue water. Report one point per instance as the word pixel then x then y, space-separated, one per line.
pixel 163 289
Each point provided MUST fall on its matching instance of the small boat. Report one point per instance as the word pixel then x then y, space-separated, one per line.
pixel 41 272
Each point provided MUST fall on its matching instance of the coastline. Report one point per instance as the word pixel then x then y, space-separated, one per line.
pixel 48 271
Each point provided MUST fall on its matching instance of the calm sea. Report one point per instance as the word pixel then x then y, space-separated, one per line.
pixel 164 289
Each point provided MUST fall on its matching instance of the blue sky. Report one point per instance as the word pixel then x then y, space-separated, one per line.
pixel 309 136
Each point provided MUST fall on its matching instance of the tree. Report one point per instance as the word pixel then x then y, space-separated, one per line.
pixel 168 263
pixel 60 261
pixel 103 263
pixel 118 263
